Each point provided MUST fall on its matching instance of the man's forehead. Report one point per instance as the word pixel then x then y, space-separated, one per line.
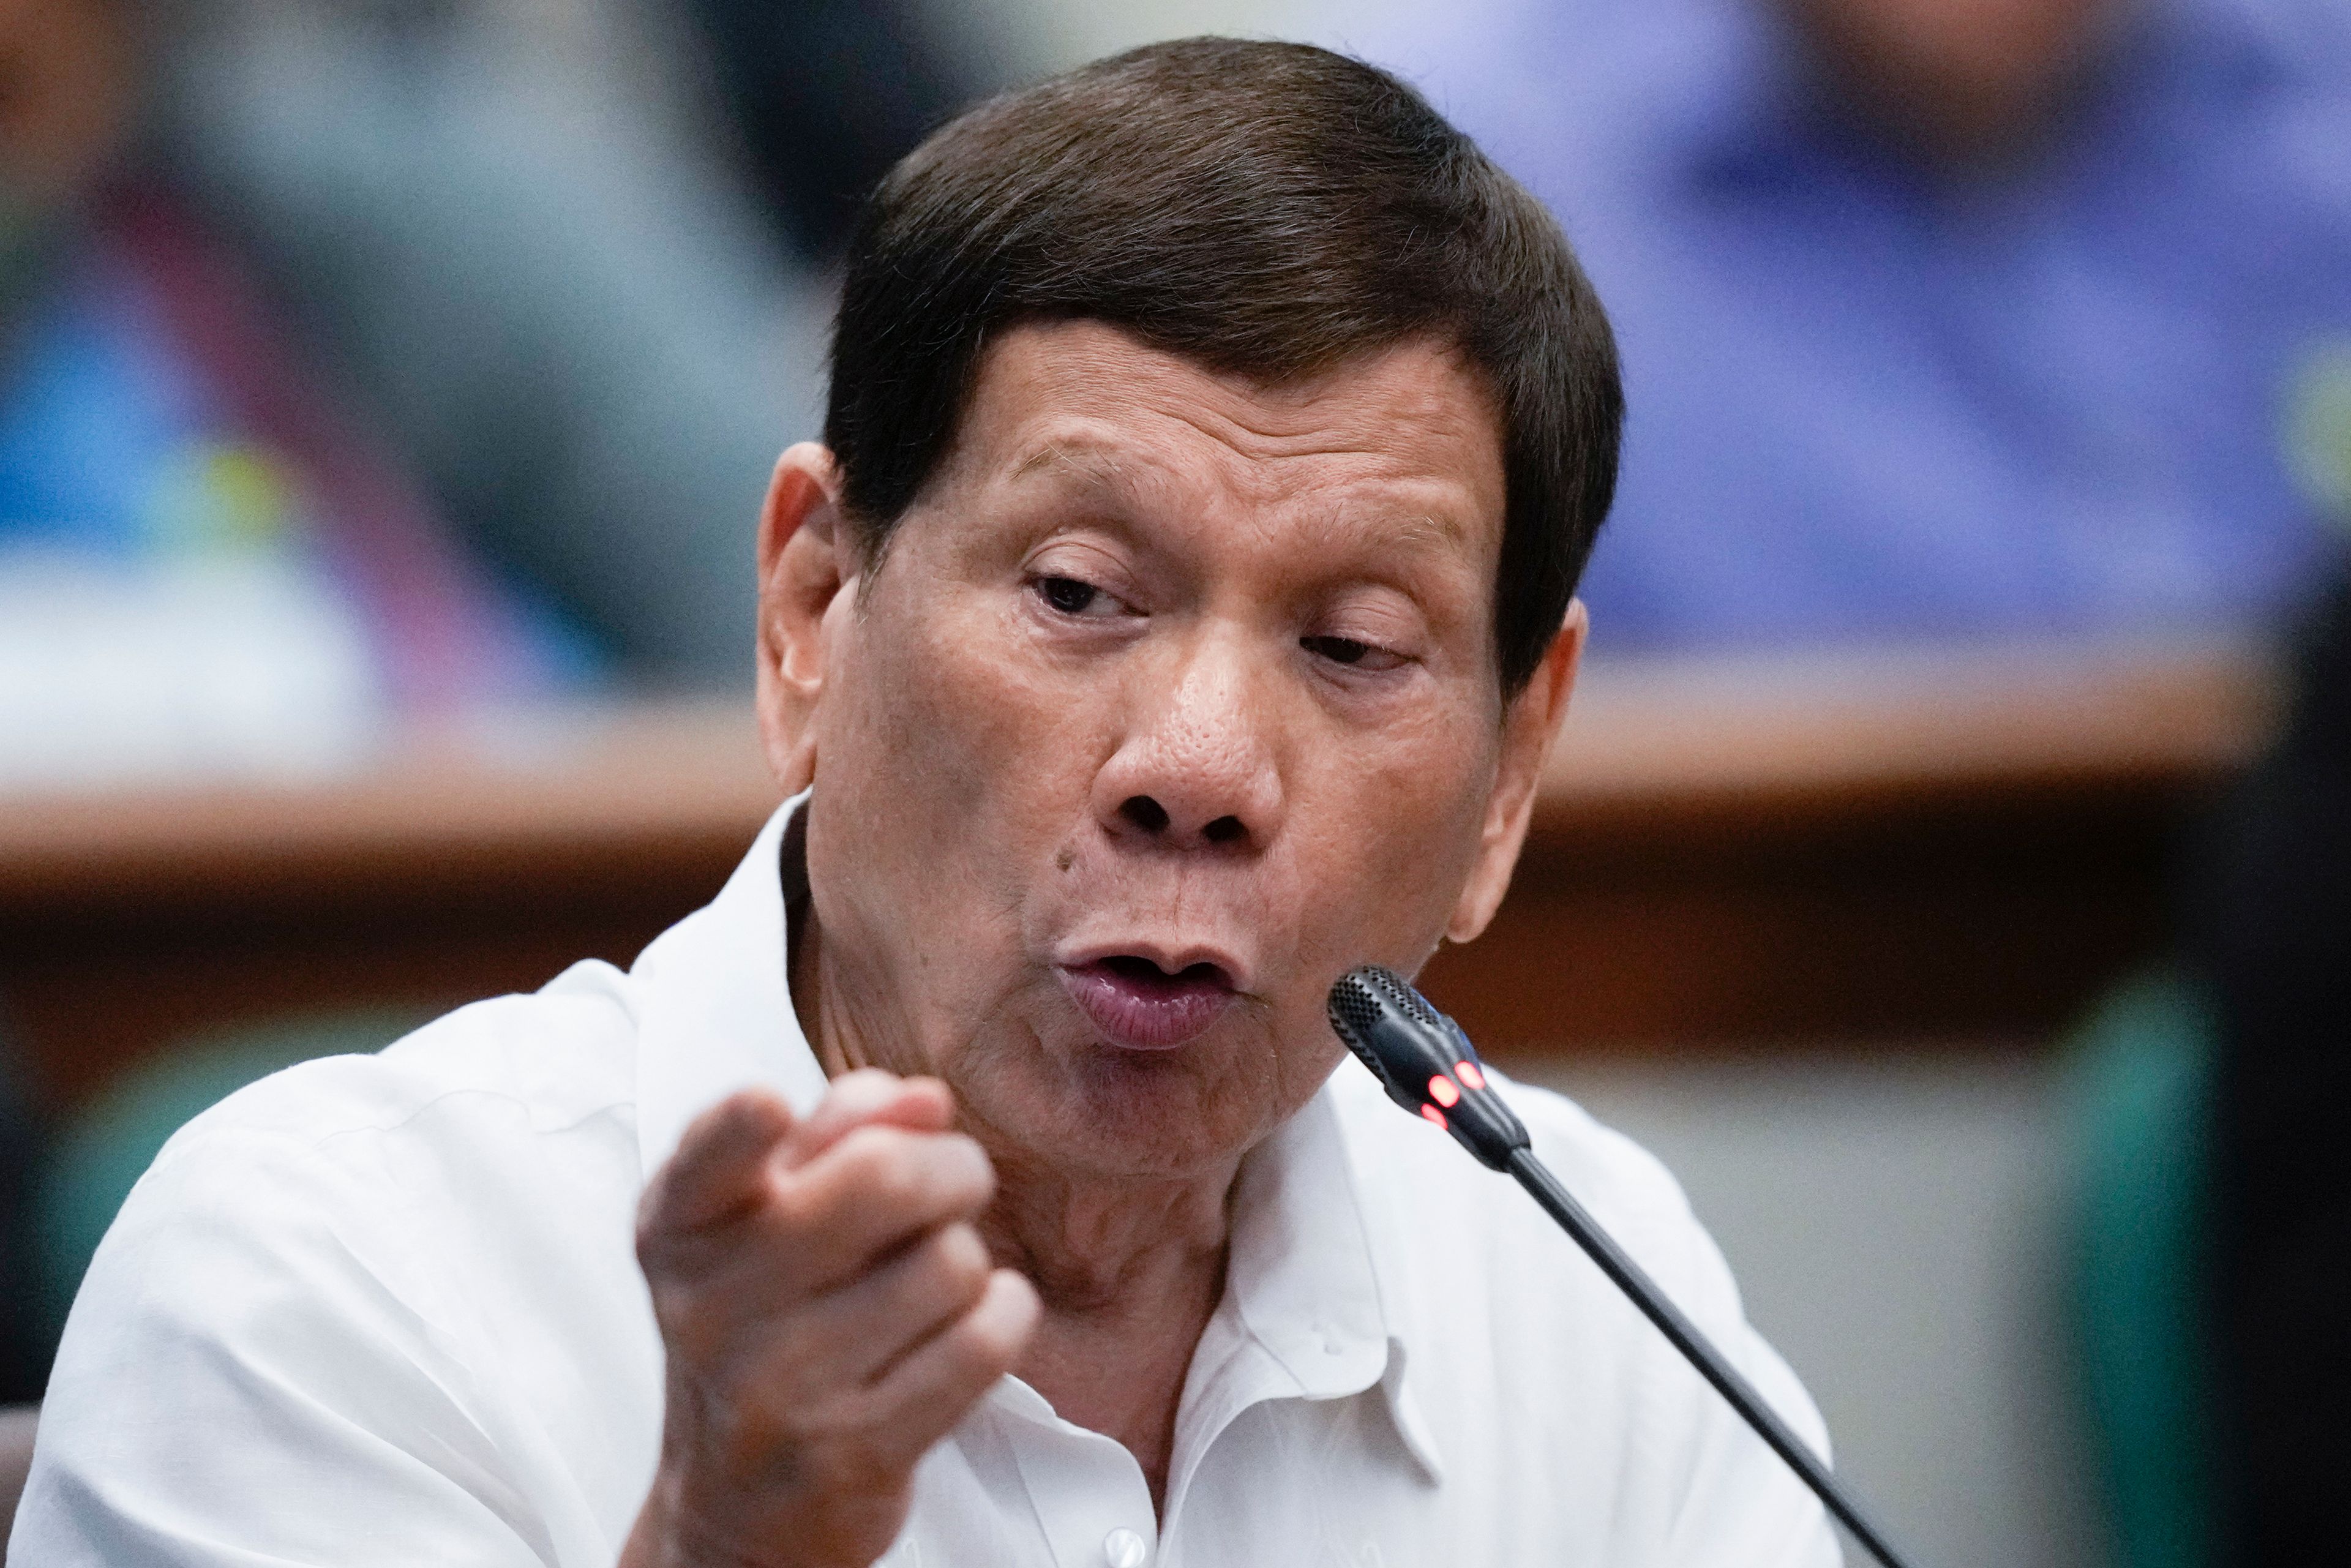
pixel 1085 405
pixel 1434 513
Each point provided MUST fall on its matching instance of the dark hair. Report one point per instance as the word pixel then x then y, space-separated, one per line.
pixel 1266 210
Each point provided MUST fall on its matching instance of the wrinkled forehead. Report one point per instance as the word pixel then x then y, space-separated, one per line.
pixel 1080 408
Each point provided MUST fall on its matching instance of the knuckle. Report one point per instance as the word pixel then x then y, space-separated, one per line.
pixel 973 1172
pixel 882 1166
pixel 987 1344
pixel 963 1260
pixel 795 1206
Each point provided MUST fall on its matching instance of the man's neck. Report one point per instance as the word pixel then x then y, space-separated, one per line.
pixel 1093 1246
pixel 1130 1273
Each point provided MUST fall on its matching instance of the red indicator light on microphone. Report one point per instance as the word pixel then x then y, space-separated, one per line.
pixel 1433 1114
pixel 1467 1073
pixel 1441 1090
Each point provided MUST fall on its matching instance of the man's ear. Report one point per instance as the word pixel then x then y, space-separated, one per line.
pixel 807 558
pixel 1529 726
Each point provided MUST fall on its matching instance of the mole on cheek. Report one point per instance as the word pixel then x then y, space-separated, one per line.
pixel 1067 858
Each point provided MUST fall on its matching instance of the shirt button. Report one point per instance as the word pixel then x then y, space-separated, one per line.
pixel 1123 1547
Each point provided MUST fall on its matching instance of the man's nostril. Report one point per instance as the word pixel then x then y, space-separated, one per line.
pixel 1145 813
pixel 1223 830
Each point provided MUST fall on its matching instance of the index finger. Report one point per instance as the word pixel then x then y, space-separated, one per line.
pixel 721 1164
pixel 863 1098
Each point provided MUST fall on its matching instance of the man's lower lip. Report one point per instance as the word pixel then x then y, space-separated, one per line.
pixel 1141 1015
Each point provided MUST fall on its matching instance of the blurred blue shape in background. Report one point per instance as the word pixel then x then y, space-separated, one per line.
pixel 1938 320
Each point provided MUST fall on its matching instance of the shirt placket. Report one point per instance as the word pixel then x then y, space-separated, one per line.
pixel 1092 1501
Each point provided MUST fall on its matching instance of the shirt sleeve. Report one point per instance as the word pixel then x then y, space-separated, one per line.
pixel 250 1377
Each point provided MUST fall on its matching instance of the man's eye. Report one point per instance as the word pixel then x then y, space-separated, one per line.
pixel 1068 595
pixel 1352 652
pixel 1338 650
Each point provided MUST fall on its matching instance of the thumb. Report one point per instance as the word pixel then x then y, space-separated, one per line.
pixel 720 1164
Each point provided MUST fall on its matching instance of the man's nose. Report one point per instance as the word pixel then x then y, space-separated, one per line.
pixel 1199 768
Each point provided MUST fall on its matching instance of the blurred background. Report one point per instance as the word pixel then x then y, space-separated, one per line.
pixel 1948 868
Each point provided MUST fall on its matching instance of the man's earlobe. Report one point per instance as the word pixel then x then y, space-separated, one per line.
pixel 804 563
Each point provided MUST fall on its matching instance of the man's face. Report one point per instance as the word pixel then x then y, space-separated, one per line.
pixel 1171 698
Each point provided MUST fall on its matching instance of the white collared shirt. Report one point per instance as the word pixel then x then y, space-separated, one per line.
pixel 386 1310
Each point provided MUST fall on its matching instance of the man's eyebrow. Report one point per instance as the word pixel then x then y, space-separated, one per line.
pixel 1083 459
pixel 1426 527
pixel 1405 531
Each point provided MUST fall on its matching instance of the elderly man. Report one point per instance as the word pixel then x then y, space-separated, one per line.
pixel 1175 617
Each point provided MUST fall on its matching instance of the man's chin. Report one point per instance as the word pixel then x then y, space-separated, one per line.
pixel 1120 1114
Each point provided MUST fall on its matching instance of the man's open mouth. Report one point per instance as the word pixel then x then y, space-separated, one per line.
pixel 1140 1006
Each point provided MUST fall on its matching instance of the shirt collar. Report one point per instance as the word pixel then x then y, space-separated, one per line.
pixel 715 1016
pixel 1303 1277
pixel 715 1013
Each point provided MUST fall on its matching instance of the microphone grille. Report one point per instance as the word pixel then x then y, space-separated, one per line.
pixel 1353 1007
pixel 1361 997
pixel 1353 1011
pixel 1399 993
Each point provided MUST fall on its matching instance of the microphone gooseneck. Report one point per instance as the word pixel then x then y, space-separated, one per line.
pixel 1428 1067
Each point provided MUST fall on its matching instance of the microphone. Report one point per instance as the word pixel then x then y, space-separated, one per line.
pixel 1428 1067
